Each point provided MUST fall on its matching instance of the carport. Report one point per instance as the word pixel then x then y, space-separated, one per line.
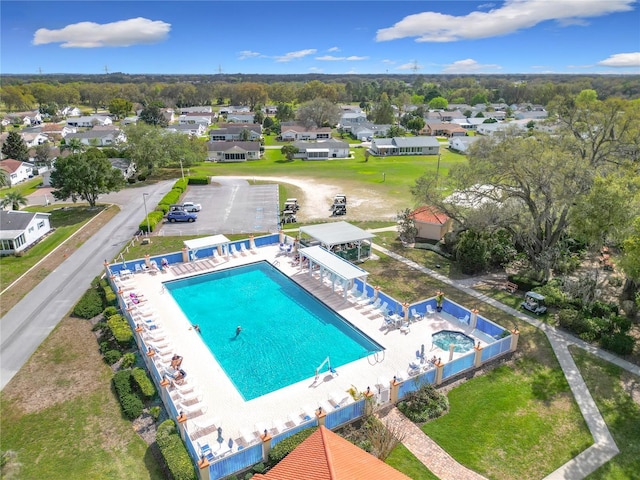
pixel 217 242
pixel 338 269
pixel 342 238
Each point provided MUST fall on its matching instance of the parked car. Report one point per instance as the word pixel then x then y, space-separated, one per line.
pixel 191 207
pixel 181 216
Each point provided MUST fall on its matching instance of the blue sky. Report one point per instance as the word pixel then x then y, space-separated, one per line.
pixel 306 36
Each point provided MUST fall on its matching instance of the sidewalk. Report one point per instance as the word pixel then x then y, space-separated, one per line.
pixel 604 447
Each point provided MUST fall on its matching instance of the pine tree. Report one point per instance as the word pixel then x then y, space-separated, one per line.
pixel 15 147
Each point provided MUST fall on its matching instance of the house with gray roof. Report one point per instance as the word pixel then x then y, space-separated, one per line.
pixel 191 129
pixel 98 138
pixel 89 121
pixel 20 230
pixel 233 151
pixel 300 132
pixel 461 144
pixel 233 132
pixel 369 130
pixel 324 150
pixel 420 145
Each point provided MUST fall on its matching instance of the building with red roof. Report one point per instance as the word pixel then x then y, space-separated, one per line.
pixel 431 223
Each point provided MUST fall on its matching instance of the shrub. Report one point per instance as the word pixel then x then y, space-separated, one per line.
pixel 424 403
pixel 142 177
pixel 198 180
pixel 174 452
pixel 553 296
pixel 109 312
pixel 154 217
pixel 131 180
pixel 104 347
pixel 155 412
pixel 525 280
pixel 122 382
pixel 128 360
pixel 181 184
pixel 90 305
pixel 142 383
pixel 112 356
pixel 472 252
pixel 258 468
pixel 110 296
pixel 172 196
pixel 131 406
pixel 163 208
pixel 286 446
pixel 120 330
pixel 620 343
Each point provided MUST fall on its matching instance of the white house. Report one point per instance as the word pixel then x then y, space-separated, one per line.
pixel 70 111
pixel 461 144
pixel 17 171
pixel 190 118
pixel 28 119
pixel 421 145
pixel 228 132
pixel 99 138
pixel 241 117
pixel 191 129
pixel 324 150
pixel 89 121
pixel 233 151
pixel 300 132
pixel 19 230
pixel 196 109
pixel 33 139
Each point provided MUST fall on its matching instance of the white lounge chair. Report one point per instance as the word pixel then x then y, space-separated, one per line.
pixel 430 310
pixel 339 399
pixel 233 251
pixel 194 410
pixel 464 319
pixel 383 309
pixel 416 316
pixel 243 249
pixel 187 398
pixel 375 304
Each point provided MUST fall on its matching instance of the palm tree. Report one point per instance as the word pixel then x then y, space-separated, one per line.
pixel 4 179
pixel 74 145
pixel 13 199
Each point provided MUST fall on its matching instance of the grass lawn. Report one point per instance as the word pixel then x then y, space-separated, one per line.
pixel 610 387
pixel 403 460
pixel 512 423
pixel 25 188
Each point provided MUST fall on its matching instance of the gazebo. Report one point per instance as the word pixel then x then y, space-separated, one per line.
pixel 214 242
pixel 342 238
pixel 339 270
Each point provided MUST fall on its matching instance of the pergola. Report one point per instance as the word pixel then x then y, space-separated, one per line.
pixel 339 270
pixel 337 236
pixel 206 242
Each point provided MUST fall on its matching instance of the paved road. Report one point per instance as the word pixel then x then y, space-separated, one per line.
pixel 27 324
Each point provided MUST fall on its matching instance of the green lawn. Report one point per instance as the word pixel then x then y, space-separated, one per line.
pixel 403 460
pixel 25 188
pixel 621 414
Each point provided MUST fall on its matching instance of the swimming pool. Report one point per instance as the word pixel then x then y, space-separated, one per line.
pixel 286 332
pixel 444 338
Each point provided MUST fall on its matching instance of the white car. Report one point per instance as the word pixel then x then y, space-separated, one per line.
pixel 191 207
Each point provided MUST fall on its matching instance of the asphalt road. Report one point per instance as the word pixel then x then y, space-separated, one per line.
pixel 27 324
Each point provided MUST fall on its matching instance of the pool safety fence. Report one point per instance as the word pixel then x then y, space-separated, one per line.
pixel 347 414
pixel 292 431
pixel 236 462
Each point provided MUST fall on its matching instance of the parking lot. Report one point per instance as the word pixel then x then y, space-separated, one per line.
pixel 230 205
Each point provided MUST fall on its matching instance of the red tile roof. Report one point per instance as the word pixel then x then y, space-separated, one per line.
pixel 428 214
pixel 327 456
pixel 10 165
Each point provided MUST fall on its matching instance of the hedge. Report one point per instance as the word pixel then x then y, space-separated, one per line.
pixel 90 305
pixel 129 402
pixel 174 452
pixel 286 446
pixel 154 217
pixel 524 281
pixel 181 184
pixel 172 197
pixel 162 208
pixel 122 382
pixel 109 312
pixel 112 356
pixel 120 330
pixel 142 383
pixel 198 180
pixel 110 296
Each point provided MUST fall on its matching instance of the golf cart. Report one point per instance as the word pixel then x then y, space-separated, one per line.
pixel 534 302
pixel 291 204
pixel 288 216
pixel 339 206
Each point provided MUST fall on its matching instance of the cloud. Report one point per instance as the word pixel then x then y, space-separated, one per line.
pixel 333 49
pixel 244 54
pixel 622 60
pixel 410 66
pixel 469 66
pixel 287 57
pixel 124 33
pixel 511 16
pixel 331 58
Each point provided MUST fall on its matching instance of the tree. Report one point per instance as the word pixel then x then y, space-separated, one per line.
pixel 4 179
pixel 43 155
pixel 289 151
pixel 382 112
pixel 395 131
pixel 15 147
pixel 120 107
pixel 438 103
pixel 152 115
pixel 251 94
pixel 258 117
pixel 284 112
pixel 74 145
pixel 85 176
pixel 319 112
pixel 472 252
pixel 13 199
pixel 407 229
pixel 416 124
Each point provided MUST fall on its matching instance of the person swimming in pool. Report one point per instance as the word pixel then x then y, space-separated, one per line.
pixel 238 330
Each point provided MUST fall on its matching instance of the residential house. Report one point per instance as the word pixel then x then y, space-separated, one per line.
pixel 232 151
pixel 323 150
pixel 270 109
pixel 461 144
pixel 241 117
pixel 19 230
pixel 70 111
pixel 421 145
pixel 348 120
pixel 496 115
pixel 230 132
pixel 493 128
pixel 130 120
pixel 531 114
pixel 89 121
pixel 98 138
pixel 56 131
pixel 300 132
pixel 191 129
pixel 233 109
pixel 17 171
pixel 441 129
pixel 191 118
pixel 325 455
pixel 33 139
pixel 369 130
pixel 126 166
pixel 196 109
pixel 470 123
pixel 28 119
pixel 431 223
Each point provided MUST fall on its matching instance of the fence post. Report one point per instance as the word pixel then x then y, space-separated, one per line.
pixel 368 402
pixel 203 465
pixel 147 260
pixel 185 254
pixel 473 321
pixel 252 242
pixel 181 419
pixel 477 360
pixel 266 444
pixel 515 334
pixel 439 366
pixel 321 415
pixel 394 384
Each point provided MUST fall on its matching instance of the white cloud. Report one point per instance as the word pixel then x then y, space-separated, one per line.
pixel 244 54
pixel 124 33
pixel 331 58
pixel 287 57
pixel 510 17
pixel 622 60
pixel 470 66
pixel 389 61
pixel 333 49
pixel 410 66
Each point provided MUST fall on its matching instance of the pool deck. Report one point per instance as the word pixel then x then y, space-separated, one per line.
pixel 242 420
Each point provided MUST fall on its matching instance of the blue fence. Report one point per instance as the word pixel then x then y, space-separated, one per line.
pixel 488 327
pixel 495 349
pixel 456 310
pixel 344 415
pixel 237 462
pixel 286 434
pixel 458 365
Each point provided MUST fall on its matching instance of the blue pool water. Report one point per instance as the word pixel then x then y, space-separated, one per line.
pixel 286 332
pixel 444 338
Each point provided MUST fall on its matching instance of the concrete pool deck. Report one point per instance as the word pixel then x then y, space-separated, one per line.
pixel 225 407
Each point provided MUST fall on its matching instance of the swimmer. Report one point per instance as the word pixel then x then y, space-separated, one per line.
pixel 196 327
pixel 238 330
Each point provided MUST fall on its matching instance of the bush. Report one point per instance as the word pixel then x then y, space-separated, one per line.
pixel 131 180
pixel 131 406
pixel 198 180
pixel 472 253
pixel 122 382
pixel 174 452
pixel 286 446
pixel 172 197
pixel 163 208
pixel 142 177
pixel 112 356
pixel 109 312
pixel 423 404
pixel 155 412
pixel 525 280
pixel 553 296
pixel 155 217
pixel 128 360
pixel 181 184
pixel 142 383
pixel 120 330
pixel 619 343
pixel 110 296
pixel 90 305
